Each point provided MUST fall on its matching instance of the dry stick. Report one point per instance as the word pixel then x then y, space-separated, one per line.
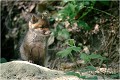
pixel 114 54
pixel 109 50
pixel 102 11
pixel 54 62
pixel 107 45
pixel 110 45
pixel 103 37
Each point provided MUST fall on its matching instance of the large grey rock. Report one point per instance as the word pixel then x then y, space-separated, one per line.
pixel 23 70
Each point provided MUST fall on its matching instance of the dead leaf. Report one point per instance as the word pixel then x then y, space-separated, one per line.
pixel 96 29
pixel 67 24
pixel 31 7
pixel 51 39
pixel 86 49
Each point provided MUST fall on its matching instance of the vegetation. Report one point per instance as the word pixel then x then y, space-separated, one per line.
pixel 83 31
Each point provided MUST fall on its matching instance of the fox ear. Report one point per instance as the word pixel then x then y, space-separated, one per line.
pixel 34 19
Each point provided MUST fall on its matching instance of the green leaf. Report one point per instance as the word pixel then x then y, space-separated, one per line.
pixel 83 77
pixel 91 68
pixel 83 70
pixel 86 3
pixel 88 68
pixel 84 25
pixel 101 62
pixel 63 13
pixel 85 57
pixel 73 73
pixel 65 1
pixel 64 53
pixel 71 7
pixel 63 34
pixel 107 3
pixel 69 10
pixel 77 49
pixel 115 76
pixel 3 60
pixel 71 42
pixel 97 56
pixel 92 78
pixel 94 56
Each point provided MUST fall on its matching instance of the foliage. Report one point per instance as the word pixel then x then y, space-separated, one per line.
pixel 72 11
pixel 88 58
pixel 63 35
pixel 73 21
pixel 115 76
pixel 68 51
pixel 69 12
pixel 80 76
pixel 3 60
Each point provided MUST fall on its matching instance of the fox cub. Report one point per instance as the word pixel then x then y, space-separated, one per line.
pixel 34 44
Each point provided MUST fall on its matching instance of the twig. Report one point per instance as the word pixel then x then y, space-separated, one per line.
pixel 102 11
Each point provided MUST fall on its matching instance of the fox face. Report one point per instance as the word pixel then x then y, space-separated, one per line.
pixel 37 23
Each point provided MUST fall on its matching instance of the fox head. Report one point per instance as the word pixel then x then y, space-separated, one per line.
pixel 38 23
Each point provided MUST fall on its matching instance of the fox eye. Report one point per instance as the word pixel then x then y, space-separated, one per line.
pixel 42 26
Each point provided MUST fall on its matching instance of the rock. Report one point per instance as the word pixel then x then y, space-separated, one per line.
pixel 24 70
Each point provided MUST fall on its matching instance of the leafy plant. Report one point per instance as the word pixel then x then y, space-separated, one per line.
pixel 3 60
pixel 81 76
pixel 88 58
pixel 84 25
pixel 74 11
pixel 68 51
pixel 73 73
pixel 63 35
pixel 115 76
pixel 88 68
